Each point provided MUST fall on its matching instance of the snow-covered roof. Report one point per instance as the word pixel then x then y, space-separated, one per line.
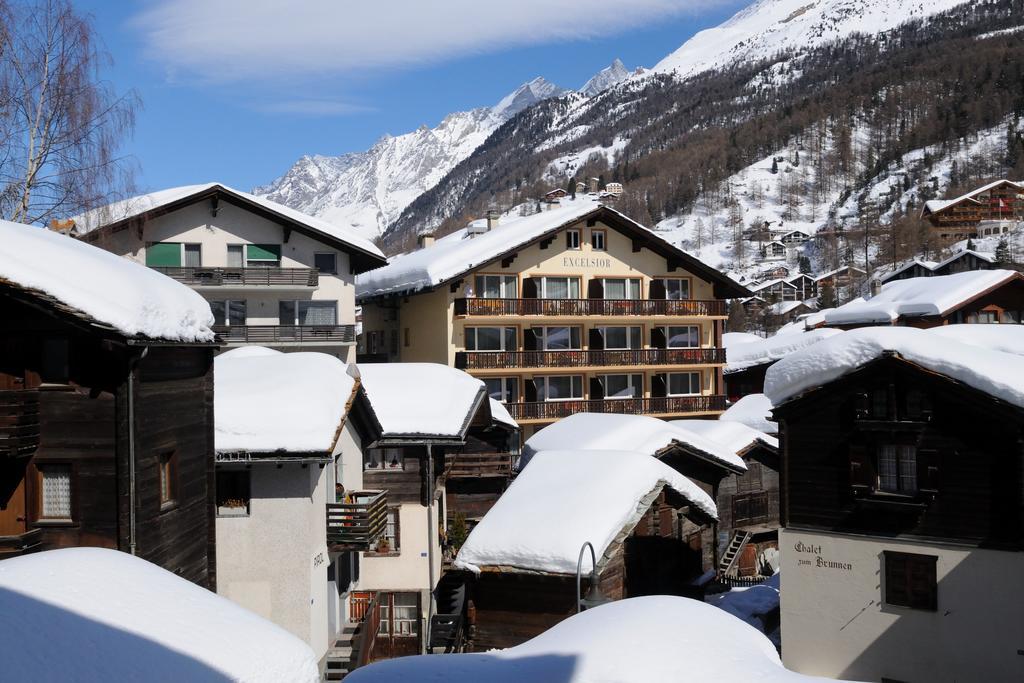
pixel 927 265
pixel 784 307
pixel 1007 338
pixel 426 400
pixel 934 205
pixel 565 498
pixel 836 271
pixel 96 615
pixel 101 288
pixel 638 640
pixel 736 338
pixel 771 283
pixel 980 255
pixel 754 411
pixel 735 436
pixel 459 252
pixel 793 278
pixel 136 207
pixel 500 414
pixel 609 431
pixel 919 296
pixel 994 372
pixel 266 401
pixel 769 350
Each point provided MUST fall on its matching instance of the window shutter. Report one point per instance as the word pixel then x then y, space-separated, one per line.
pixel 529 339
pixel 529 390
pixel 658 340
pixel 658 385
pixel 263 252
pixel 529 288
pixel 595 289
pixel 596 341
pixel 862 472
pixel 656 290
pixel 164 255
pixel 928 471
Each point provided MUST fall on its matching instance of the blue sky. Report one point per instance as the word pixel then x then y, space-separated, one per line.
pixel 239 102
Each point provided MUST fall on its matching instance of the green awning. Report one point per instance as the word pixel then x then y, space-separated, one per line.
pixel 263 252
pixel 164 254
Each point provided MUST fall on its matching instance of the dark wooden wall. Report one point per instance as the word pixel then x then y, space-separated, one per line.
pixel 745 382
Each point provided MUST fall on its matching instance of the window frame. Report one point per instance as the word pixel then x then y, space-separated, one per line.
pixel 241 254
pixel 691 373
pixel 542 335
pixel 626 282
pixel 334 259
pixel 546 380
pixel 471 332
pixel 603 331
pixel 900 458
pixel 297 306
pixel 596 233
pixel 680 280
pixel 891 561
pixel 245 495
pixel 262 263
pixel 570 280
pixel 168 479
pixel 631 378
pixel 505 281
pixel 227 312
pixel 388 456
pixel 668 336
pixel 506 382
pixel 573 244
pixel 40 502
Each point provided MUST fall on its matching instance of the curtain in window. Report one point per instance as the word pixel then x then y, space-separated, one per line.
pixel 193 255
pixel 317 313
pixel 235 256
pixel 887 469
pixel 556 289
pixel 908 469
pixel 57 491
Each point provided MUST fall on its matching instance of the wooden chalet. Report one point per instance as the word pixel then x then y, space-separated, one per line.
pixel 962 261
pixel 773 250
pixel 106 427
pixel 805 286
pixel 843 276
pixel 958 218
pixel 776 290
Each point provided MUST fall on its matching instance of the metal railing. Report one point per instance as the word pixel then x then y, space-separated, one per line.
pixel 496 360
pixel 587 307
pixel 478 465
pixel 19 423
pixel 298 334
pixel 199 276
pixel 552 410
pixel 359 524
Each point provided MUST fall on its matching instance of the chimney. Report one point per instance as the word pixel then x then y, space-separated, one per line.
pixel 424 240
pixel 876 287
pixel 493 215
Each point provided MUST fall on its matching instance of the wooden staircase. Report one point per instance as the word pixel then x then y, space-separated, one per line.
pixel 338 661
pixel 732 552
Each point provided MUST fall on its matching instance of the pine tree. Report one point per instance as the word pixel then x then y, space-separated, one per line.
pixel 827 296
pixel 796 158
pixel 775 165
pixel 970 244
pixel 804 265
pixel 737 321
pixel 572 187
pixel 1003 252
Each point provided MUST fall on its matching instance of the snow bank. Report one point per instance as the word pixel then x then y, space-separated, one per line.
pixel 735 436
pixel 565 498
pixel 996 373
pixel 134 300
pixel 750 603
pixel 1007 338
pixel 611 432
pixel 919 296
pixel 98 615
pixel 639 640
pixel 753 410
pixel 420 399
pixel 266 401
pixel 769 350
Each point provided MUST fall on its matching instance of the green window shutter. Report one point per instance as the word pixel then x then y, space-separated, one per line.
pixel 164 254
pixel 263 252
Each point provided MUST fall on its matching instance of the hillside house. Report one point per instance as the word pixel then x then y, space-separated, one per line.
pixel 959 218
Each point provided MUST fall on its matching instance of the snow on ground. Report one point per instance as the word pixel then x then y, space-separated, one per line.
pixel 743 356
pixel 754 411
pixel 919 296
pixel 609 432
pixel 134 300
pixel 748 604
pixel 95 615
pixel 565 498
pixel 566 165
pixel 997 373
pixel 266 401
pixel 639 640
pixel 735 436
pixel 425 399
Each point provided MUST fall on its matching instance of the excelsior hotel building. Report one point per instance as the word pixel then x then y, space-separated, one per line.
pixel 574 309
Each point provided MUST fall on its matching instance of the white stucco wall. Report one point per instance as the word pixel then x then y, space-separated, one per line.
pixel 409 570
pixel 835 624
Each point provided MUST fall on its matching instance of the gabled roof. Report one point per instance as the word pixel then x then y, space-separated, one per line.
pixel 771 283
pixel 364 253
pixel 459 253
pixel 772 349
pixel 982 256
pixel 927 265
pixel 793 278
pixel 735 436
pixel 98 288
pixel 936 205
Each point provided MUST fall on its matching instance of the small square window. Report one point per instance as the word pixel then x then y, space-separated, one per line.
pixel 55 492
pixel 168 463
pixel 326 263
pixel 910 580
pixel 572 239
pixel 597 240
pixel 233 495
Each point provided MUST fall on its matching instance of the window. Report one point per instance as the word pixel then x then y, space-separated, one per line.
pixel 623 386
pixel 496 286
pixel 563 388
pixel 558 338
pixel 490 339
pixel 597 240
pixel 383 459
pixel 262 255
pixel 308 312
pixel 228 312
pixel 504 389
pixel 326 263
pixel 400 616
pixel 391 541
pixel 233 493
pixel 572 239
pixel 897 469
pixel 235 259
pixel 983 317
pixel 621 288
pixel 193 255
pixel 676 289
pixel 168 464
pixel 163 255
pixel 683 383
pixel 560 287
pixel 620 338
pixel 55 492
pixel 683 336
pixel 910 580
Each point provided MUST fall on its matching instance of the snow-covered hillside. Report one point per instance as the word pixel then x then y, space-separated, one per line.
pixel 769 27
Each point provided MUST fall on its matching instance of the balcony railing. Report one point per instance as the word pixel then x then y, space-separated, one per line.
pixel 287 334
pixel 587 307
pixel 198 276
pixel 663 405
pixel 19 423
pixel 494 360
pixel 20 544
pixel 478 465
pixel 357 525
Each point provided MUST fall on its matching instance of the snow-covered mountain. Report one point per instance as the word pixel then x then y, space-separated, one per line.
pixel 607 77
pixel 769 27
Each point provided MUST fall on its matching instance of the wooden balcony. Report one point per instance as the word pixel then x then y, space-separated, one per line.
pixel 287 334
pixel 496 360
pixel 19 423
pixel 662 405
pixel 20 544
pixel 479 465
pixel 357 525
pixel 197 276
pixel 589 307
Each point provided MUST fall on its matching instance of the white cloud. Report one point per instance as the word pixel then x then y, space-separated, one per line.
pixel 228 40
pixel 312 107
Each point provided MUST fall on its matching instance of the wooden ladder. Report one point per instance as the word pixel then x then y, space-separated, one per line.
pixel 732 553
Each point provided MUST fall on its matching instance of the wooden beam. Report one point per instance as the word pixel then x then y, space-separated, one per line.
pixel 546 242
pixel 507 261
pixel 287 233
pixel 455 285
pixel 637 246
